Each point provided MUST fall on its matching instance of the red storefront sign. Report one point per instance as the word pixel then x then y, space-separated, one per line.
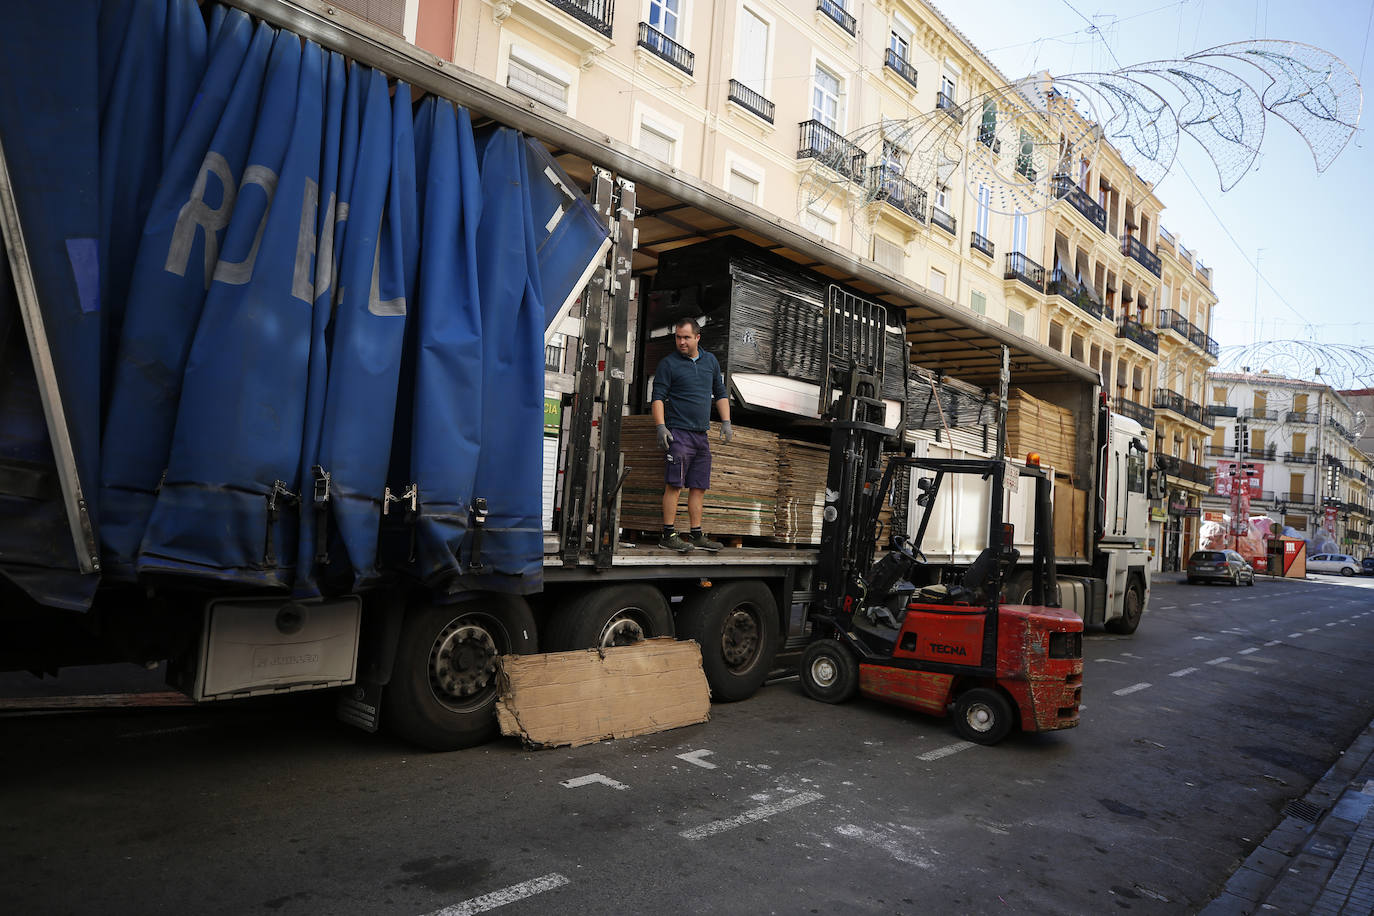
pixel 1252 475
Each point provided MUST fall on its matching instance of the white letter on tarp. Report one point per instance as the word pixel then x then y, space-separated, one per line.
pixel 239 273
pixel 195 213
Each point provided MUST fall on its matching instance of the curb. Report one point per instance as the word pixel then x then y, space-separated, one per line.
pixel 1314 859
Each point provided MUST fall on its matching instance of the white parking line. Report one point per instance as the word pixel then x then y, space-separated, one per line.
pixel 591 778
pixel 1182 672
pixel 748 817
pixel 946 751
pixel 1249 651
pixel 1131 689
pixel 504 896
pixel 1218 661
pixel 694 758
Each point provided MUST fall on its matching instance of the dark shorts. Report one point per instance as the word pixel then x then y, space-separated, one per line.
pixel 688 462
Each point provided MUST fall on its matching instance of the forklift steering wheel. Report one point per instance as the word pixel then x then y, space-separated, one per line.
pixel 903 544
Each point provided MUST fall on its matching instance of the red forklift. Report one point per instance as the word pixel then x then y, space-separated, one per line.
pixel 950 646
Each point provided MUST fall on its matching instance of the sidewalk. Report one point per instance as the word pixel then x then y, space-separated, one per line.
pixel 1320 858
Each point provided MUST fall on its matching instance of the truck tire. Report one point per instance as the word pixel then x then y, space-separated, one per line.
pixel 1132 607
pixel 829 671
pixel 982 715
pixel 442 695
pixel 615 615
pixel 736 625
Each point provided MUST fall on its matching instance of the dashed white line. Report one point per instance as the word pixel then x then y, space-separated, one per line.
pixel 1250 651
pixel 694 758
pixel 1221 660
pixel 946 751
pixel 1207 638
pixel 591 778
pixel 1313 629
pixel 1234 667
pixel 504 896
pixel 1110 661
pixel 1331 624
pixel 1182 672
pixel 748 817
pixel 1295 636
pixel 1272 642
pixel 1131 689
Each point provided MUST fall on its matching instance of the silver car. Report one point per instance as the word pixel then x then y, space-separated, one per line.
pixel 1341 563
pixel 1219 566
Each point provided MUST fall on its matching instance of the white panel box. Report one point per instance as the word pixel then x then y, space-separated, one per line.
pixel 257 646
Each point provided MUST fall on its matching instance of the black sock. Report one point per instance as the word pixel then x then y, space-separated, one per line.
pixel 696 532
pixel 669 531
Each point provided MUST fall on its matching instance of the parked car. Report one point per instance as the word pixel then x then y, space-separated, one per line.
pixel 1367 566
pixel 1219 566
pixel 1342 563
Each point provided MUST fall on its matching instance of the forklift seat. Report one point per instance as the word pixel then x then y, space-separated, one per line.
pixel 975 578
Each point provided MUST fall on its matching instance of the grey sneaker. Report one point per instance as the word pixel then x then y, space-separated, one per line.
pixel 677 542
pixel 702 542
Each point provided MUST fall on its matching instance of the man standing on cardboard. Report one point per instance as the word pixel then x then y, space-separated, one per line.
pixel 685 383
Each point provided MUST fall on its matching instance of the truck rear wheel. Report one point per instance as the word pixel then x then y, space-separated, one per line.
pixel 443 693
pixel 616 615
pixel 737 627
pixel 829 671
pixel 1132 606
pixel 982 715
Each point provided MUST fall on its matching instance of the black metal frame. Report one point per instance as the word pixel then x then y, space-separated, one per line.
pixel 655 42
pixel 751 101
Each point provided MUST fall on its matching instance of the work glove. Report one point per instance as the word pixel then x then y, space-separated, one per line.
pixel 727 432
pixel 665 438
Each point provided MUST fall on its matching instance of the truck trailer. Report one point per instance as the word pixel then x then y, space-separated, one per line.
pixel 278 290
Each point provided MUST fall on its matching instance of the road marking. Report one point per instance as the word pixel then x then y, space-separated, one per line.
pixel 1295 636
pixel 1129 655
pixel 1207 638
pixel 1182 672
pixel 748 817
pixel 945 751
pixel 1131 689
pixel 504 896
pixel 1235 667
pixel 1313 629
pixel 1273 642
pixel 1221 660
pixel 694 758
pixel 1168 607
pixel 589 779
pixel 1250 651
pixel 1113 661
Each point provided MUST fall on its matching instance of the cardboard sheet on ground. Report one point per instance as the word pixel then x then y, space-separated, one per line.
pixel 571 698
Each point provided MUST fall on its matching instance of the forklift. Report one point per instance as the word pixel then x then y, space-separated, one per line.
pixel 948 647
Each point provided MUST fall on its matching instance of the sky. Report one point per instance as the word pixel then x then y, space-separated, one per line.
pixel 1310 234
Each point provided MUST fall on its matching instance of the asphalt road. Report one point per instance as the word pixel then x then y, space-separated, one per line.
pixel 1196 732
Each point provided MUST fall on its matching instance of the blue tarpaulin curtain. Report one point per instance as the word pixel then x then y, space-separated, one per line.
pixel 287 273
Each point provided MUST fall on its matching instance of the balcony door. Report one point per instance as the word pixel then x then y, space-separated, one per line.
pixel 663 16
pixel 751 58
pixel 825 98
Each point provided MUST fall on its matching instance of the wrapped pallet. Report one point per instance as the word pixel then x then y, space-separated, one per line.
pixel 1034 425
pixel 801 491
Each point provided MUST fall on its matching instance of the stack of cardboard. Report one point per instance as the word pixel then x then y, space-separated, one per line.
pixel 742 500
pixel 801 490
pixel 1070 514
pixel 1034 425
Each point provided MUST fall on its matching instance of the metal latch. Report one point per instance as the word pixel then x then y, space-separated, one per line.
pixel 411 496
pixel 280 491
pixel 479 524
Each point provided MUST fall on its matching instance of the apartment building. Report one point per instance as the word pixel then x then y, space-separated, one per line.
pixel 1300 439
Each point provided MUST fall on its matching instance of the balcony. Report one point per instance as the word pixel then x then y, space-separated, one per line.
pixel 988 137
pixel 820 142
pixel 1065 189
pixel 597 14
pixel 1221 410
pixel 1198 338
pixel 1307 457
pixel 837 13
pixel 1195 473
pixel 1299 499
pixel 898 64
pixel 1024 169
pixel 1298 416
pixel 946 104
pixel 1137 412
pixel 1344 433
pixel 1172 400
pixel 1220 451
pixel 1261 413
pixel 652 39
pixel 942 219
pixel 979 242
pixel 1132 247
pixel 1020 267
pixel 1066 287
pixel 751 101
pixel 1173 321
pixel 895 190
pixel 1137 333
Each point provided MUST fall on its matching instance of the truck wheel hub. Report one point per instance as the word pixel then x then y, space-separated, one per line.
pixel 979 717
pixel 621 630
pixel 740 639
pixel 823 672
pixel 463 661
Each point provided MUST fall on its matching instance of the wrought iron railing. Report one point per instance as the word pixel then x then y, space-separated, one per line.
pixel 1134 248
pixel 820 142
pixel 1195 472
pixel 1173 321
pixel 1025 169
pixel 1137 412
pixel 596 13
pixel 653 40
pixel 1307 457
pixel 979 242
pixel 1172 400
pixel 988 137
pixel 1221 410
pixel 893 189
pixel 897 63
pixel 1299 416
pixel 1300 499
pixel 944 220
pixel 1220 451
pixel 1067 287
pixel 946 104
pixel 836 11
pixel 1137 333
pixel 1020 267
pixel 750 100
pixel 1261 413
pixel 1065 189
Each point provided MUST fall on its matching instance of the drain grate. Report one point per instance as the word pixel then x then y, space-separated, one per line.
pixel 1303 810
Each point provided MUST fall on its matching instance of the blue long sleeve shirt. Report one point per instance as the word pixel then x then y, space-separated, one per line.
pixel 687 388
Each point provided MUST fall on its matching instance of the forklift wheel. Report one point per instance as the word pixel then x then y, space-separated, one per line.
pixel 829 672
pixel 982 715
